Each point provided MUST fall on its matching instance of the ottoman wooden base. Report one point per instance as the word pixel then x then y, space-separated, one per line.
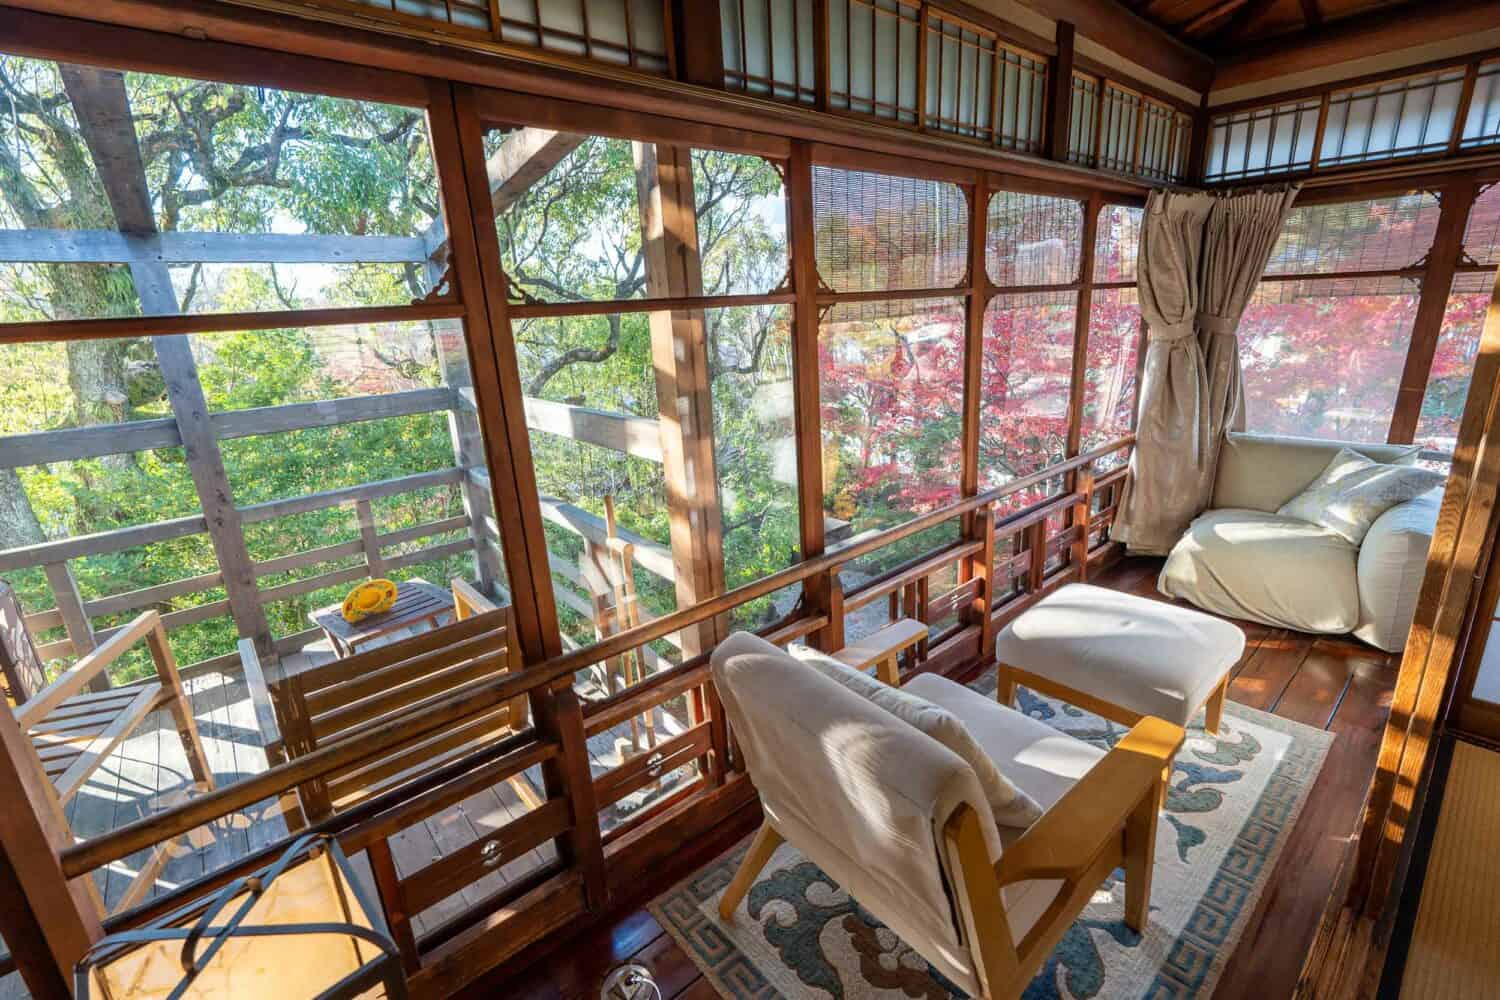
pixel 1008 678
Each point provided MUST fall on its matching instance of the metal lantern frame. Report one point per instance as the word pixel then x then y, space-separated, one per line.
pixel 384 970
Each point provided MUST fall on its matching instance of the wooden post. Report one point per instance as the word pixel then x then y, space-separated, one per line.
pixel 679 350
pixel 1083 515
pixel 1036 570
pixel 48 922
pixel 369 539
pixel 458 152
pixel 1198 143
pixel 468 453
pixel 1437 283
pixel 1436 642
pixel 104 117
pixel 206 464
pixel 75 620
pixel 820 592
pixel 978 611
pixel 696 34
pixel 1060 95
pixel 980 293
pixel 559 718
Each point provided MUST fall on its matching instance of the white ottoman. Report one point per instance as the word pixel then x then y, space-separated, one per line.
pixel 1120 656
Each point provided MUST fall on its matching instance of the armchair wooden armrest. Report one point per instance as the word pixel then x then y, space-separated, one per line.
pixel 75 678
pixel 1090 817
pixel 467 600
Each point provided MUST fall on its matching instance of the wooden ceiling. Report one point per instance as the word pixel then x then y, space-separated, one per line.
pixel 1223 27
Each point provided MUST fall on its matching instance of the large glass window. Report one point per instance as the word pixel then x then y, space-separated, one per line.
pixel 1025 381
pixel 1113 357
pixel 1324 339
pixel 252 198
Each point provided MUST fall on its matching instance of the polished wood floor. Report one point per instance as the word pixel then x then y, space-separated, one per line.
pixel 1334 683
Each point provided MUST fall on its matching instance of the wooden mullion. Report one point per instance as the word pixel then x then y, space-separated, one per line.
pixel 458 149
pixel 820 41
pixel 1060 94
pixel 924 28
pixel 1092 208
pixel 1435 645
pixel 806 390
pixel 1437 283
pixel 1465 99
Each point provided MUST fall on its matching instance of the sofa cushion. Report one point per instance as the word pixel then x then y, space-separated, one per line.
pixel 1392 560
pixel 1277 570
pixel 1143 655
pixel 1353 491
pixel 1011 805
pixel 1263 471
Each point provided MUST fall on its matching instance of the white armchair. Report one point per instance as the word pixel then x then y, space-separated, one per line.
pixel 901 823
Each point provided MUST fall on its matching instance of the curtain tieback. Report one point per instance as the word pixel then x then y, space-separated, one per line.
pixel 1172 331
pixel 1216 325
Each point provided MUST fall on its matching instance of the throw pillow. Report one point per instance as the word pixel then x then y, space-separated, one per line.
pixel 1010 805
pixel 1353 491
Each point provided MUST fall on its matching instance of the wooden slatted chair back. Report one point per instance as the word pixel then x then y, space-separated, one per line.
pixel 21 666
pixel 318 707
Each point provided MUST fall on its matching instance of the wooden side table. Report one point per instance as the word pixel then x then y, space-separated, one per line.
pixel 416 601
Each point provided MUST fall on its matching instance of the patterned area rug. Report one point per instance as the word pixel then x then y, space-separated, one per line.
pixel 1232 804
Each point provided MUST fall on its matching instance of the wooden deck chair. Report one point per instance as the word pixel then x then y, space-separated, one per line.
pixel 901 822
pixel 73 731
pixel 299 712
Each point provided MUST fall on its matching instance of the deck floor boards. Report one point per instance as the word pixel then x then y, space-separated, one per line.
pixel 1330 682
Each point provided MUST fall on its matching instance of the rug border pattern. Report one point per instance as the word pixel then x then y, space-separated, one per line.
pixel 1195 959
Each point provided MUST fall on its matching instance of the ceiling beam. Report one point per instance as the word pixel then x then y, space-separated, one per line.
pixel 1357 38
pixel 1132 36
pixel 1211 15
pixel 1230 30
pixel 1312 15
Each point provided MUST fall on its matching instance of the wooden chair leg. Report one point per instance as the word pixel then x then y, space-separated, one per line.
pixel 1005 686
pixel 761 848
pixel 1140 857
pixel 1213 712
pixel 889 671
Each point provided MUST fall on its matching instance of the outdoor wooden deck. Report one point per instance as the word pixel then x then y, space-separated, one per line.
pixel 148 771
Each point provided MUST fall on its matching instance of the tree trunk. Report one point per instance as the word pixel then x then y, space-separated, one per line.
pixel 18 523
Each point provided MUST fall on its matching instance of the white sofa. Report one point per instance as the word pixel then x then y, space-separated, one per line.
pixel 1240 558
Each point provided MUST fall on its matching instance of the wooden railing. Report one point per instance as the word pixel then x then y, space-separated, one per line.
pixel 74 614
pixel 591 863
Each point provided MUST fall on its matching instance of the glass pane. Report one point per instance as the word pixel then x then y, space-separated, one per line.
pixel 755 443
pixel 1482 234
pixel 1117 243
pixel 876 232
pixel 1374 235
pixel 1323 358
pixel 741 214
pixel 1026 373
pixel 1033 239
pixel 891 381
pixel 264 199
pixel 592 410
pixel 1110 366
pixel 1453 362
pixel 574 233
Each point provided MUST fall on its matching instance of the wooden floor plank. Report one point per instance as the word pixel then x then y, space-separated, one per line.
pixel 1330 682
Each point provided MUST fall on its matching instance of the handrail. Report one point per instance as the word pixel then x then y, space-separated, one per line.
pixel 473 698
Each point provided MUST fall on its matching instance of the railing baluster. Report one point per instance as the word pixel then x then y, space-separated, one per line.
pixel 75 620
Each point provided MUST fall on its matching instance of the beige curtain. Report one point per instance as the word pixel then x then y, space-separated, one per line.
pixel 1200 258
